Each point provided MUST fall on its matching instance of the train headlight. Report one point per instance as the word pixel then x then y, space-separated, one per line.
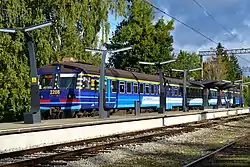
pixel 71 96
pixel 41 96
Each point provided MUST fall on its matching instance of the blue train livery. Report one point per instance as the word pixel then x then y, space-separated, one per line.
pixel 74 86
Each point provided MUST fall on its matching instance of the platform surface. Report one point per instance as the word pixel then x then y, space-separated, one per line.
pixel 72 122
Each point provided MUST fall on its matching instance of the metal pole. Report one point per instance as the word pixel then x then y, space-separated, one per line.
pixel 234 100
pixel 205 97
pixel 248 95
pixel 219 98
pixel 102 112
pixel 162 91
pixel 241 98
pixel 184 102
pixel 35 99
pixel 201 62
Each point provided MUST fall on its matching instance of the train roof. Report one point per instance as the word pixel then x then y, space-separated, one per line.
pixel 72 67
pixel 68 67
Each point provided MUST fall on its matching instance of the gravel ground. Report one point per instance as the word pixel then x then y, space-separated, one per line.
pixel 169 150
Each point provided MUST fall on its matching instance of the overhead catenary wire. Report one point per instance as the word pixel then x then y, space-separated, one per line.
pixel 195 30
pixel 223 27
pixel 210 15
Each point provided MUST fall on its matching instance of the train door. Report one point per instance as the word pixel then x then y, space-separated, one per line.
pixel 107 93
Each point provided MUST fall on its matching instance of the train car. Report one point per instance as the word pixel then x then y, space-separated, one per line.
pixel 73 87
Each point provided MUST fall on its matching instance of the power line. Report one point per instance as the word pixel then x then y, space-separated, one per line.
pixel 198 32
pixel 223 27
pixel 209 14
pixel 154 6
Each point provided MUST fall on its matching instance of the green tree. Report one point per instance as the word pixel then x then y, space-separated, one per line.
pixel 246 91
pixel 216 67
pixel 76 25
pixel 187 60
pixel 234 70
pixel 151 42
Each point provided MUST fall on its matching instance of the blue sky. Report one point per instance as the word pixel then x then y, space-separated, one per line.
pixel 232 14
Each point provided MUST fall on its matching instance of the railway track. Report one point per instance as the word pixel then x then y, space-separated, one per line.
pixel 61 153
pixel 206 157
pixel 234 153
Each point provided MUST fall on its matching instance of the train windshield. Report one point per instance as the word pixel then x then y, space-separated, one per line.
pixel 46 82
pixel 67 81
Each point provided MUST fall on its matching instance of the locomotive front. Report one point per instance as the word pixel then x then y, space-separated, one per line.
pixel 58 92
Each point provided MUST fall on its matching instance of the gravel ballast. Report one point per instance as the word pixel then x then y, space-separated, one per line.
pixel 169 150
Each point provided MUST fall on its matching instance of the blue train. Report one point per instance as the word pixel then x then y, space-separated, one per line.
pixel 73 87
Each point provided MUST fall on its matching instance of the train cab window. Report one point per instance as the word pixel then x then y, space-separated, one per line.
pixel 45 82
pixel 129 87
pixel 147 89
pixel 114 86
pixel 152 89
pixel 67 81
pixel 141 88
pixel 135 87
pixel 122 87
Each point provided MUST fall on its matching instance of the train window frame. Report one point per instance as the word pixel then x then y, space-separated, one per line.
pixel 120 84
pixel 180 91
pixel 152 87
pixel 175 91
pixel 167 90
pixel 147 91
pixel 129 92
pixel 170 91
pixel 42 79
pixel 112 86
pixel 135 85
pixel 63 76
pixel 157 88
pixel 141 90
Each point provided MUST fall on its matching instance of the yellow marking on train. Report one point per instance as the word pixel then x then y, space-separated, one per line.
pixel 79 83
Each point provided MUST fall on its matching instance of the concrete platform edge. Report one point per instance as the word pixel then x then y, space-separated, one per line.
pixel 105 121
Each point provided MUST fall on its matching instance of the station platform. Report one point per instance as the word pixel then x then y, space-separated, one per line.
pixel 20 127
pixel 57 131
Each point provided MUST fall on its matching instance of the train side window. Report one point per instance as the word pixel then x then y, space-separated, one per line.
pixel 122 87
pixel 135 87
pixel 180 91
pixel 174 91
pixel 114 86
pixel 129 88
pixel 152 89
pixel 167 90
pixel 141 88
pixel 147 89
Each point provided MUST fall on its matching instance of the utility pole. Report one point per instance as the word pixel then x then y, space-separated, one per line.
pixel 201 62
pixel 34 116
pixel 240 83
pixel 102 112
pixel 184 98
pixel 161 78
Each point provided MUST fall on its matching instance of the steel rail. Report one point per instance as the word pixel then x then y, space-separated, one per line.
pixel 167 130
pixel 205 157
